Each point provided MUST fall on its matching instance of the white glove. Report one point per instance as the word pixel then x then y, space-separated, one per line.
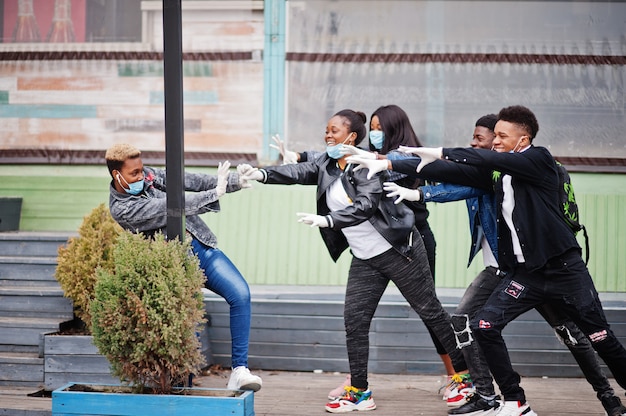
pixel 222 178
pixel 401 192
pixel 314 220
pixel 408 149
pixel 289 157
pixel 373 165
pixel 247 173
pixel 243 170
pixel 347 149
pixel 427 154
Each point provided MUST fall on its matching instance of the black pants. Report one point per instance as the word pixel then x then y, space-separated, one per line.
pixel 367 281
pixel 564 283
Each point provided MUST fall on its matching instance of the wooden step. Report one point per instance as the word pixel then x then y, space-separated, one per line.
pixel 26 331
pixel 26 270
pixel 32 244
pixel 21 369
pixel 29 301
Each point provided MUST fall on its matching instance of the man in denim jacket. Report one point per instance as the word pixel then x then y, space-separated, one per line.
pixel 137 201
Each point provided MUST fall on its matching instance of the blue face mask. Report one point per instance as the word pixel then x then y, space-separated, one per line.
pixel 377 138
pixel 134 188
pixel 514 150
pixel 335 151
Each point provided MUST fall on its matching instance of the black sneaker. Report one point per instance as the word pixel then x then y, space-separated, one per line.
pixel 613 406
pixel 476 405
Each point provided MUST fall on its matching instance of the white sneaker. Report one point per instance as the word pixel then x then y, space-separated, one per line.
pixel 516 409
pixel 241 379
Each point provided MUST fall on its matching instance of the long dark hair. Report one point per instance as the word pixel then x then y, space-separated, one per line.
pixel 397 128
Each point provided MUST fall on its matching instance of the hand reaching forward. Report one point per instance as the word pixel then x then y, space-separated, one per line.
pixel 427 154
pixel 373 165
pixel 314 220
pixel 401 192
pixel 289 157
pixel 222 178
pixel 248 173
pixel 245 171
pixel 347 149
pixel 408 149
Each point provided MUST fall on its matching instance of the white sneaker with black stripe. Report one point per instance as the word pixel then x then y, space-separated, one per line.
pixel 516 408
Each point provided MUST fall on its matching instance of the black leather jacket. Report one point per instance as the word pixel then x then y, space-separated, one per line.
pixel 393 222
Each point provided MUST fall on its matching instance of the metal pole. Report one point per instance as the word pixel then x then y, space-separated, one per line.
pixel 274 77
pixel 174 135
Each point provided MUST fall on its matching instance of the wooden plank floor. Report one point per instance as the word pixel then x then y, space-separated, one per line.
pixel 300 393
pixel 287 393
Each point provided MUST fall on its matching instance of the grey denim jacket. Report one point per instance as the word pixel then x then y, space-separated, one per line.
pixel 147 212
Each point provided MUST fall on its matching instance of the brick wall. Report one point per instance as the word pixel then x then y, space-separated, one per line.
pixel 114 92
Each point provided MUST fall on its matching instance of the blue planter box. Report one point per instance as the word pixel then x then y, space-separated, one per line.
pixel 69 400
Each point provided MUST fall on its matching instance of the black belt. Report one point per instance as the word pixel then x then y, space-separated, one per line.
pixel 501 274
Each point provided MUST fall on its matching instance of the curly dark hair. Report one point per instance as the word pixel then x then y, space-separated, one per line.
pixel 521 116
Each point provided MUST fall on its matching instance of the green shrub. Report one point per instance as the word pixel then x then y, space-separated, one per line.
pixel 79 259
pixel 146 313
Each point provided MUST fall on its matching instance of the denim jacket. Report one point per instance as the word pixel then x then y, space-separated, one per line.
pixel 481 209
pixel 147 212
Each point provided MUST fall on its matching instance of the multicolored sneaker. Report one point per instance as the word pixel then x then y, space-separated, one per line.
pixel 459 392
pixel 445 388
pixel 352 399
pixel 453 382
pixel 338 391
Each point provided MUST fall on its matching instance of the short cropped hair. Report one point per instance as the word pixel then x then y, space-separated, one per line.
pixel 523 117
pixel 488 121
pixel 119 153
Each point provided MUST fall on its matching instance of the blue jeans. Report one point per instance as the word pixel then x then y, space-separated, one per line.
pixel 564 282
pixel 223 278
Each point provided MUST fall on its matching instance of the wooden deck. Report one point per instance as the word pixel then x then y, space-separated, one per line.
pixel 287 393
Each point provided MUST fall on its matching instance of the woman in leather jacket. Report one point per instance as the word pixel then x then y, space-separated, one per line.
pixel 353 213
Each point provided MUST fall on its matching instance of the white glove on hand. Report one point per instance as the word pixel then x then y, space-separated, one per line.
pixel 248 173
pixel 222 178
pixel 427 154
pixel 401 192
pixel 347 149
pixel 289 157
pixel 408 149
pixel 314 220
pixel 373 165
pixel 243 170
